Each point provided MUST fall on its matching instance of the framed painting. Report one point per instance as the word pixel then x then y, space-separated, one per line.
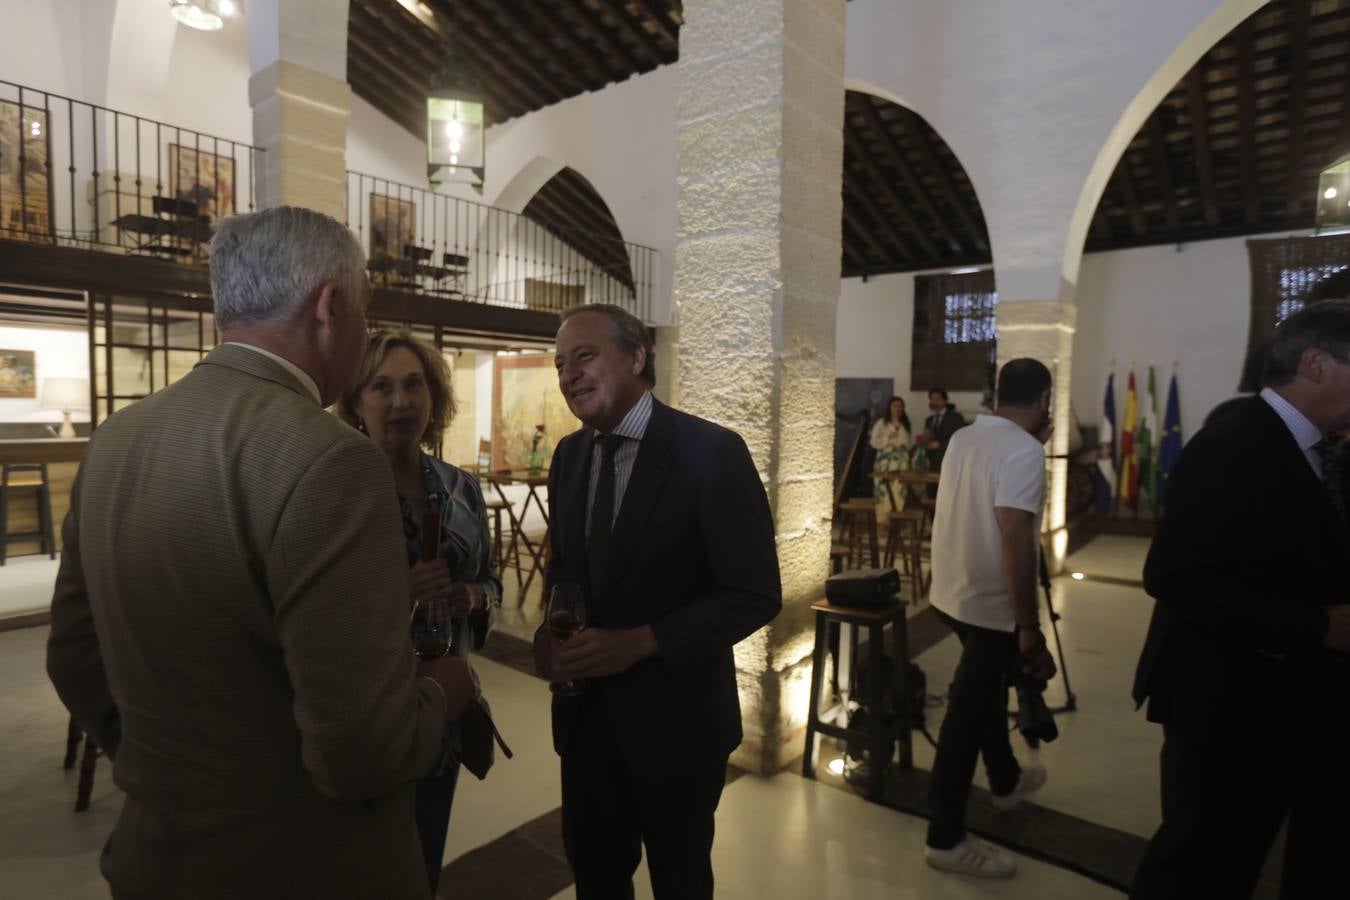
pixel 203 178
pixel 391 225
pixel 525 395
pixel 25 179
pixel 18 375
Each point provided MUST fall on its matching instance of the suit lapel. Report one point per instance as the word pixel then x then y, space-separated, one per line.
pixel 644 489
pixel 1296 461
pixel 575 488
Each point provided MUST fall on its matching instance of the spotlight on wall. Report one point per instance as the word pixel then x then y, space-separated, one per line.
pixel 1333 183
pixel 205 15
pixel 836 766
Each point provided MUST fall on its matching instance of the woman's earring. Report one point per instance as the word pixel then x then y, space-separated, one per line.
pixel 361 425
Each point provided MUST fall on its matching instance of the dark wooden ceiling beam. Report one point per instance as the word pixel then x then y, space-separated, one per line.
pixel 525 46
pixel 928 156
pixel 489 53
pixel 864 231
pixel 1246 123
pixel 1195 97
pixel 546 22
pixel 1298 70
pixel 1126 183
pixel 854 144
pixel 901 166
pixel 854 264
pixel 660 19
pixel 595 248
pixel 1162 171
pixel 639 35
pixel 579 192
pixel 589 21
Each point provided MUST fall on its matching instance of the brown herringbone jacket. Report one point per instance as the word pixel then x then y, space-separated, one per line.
pixel 232 604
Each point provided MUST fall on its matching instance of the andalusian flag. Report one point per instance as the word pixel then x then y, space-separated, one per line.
pixel 1104 476
pixel 1148 434
pixel 1169 451
pixel 1129 464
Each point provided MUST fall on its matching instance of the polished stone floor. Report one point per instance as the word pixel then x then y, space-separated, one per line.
pixel 782 836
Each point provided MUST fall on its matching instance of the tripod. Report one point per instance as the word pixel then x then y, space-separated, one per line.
pixel 1071 703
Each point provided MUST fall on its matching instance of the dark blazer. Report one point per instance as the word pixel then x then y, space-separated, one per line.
pixel 952 422
pixel 1249 552
pixel 693 556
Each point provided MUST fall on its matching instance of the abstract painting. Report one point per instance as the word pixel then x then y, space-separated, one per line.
pixel 391 225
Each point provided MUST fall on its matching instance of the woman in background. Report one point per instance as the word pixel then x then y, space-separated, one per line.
pixel 891 440
pixel 404 401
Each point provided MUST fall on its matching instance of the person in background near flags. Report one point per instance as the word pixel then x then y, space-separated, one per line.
pixel 1127 486
pixel 1251 621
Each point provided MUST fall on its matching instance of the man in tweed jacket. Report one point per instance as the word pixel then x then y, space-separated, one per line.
pixel 230 617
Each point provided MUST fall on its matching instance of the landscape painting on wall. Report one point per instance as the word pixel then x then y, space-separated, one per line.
pixel 18 375
pixel 25 183
pixel 203 178
pixel 524 395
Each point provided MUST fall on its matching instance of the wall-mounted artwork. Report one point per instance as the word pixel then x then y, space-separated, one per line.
pixel 204 178
pixel 391 225
pixel 524 395
pixel 18 375
pixel 25 181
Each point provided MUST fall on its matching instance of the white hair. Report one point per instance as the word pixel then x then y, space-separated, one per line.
pixel 265 264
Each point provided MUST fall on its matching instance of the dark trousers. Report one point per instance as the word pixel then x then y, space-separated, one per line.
pixel 433 798
pixel 609 815
pixel 1224 799
pixel 976 725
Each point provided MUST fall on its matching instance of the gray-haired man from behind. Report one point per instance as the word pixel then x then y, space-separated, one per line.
pixel 230 617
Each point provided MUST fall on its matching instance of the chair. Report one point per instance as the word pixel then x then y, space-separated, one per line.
pixel 87 765
pixel 32 477
pixel 876 735
pixel 859 526
pixel 484 461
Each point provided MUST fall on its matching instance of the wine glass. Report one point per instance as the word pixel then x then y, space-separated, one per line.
pixel 566 616
pixel 431 628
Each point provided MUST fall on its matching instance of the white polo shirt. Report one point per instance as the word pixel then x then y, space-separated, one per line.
pixel 991 463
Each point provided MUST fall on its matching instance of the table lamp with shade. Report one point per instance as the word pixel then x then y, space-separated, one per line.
pixel 67 395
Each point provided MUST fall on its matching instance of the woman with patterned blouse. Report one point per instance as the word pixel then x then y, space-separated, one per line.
pixel 404 401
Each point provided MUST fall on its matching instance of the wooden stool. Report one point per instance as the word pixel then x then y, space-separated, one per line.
pixel 32 477
pixel 860 522
pixel 91 755
pixel 904 538
pixel 877 735
pixel 494 507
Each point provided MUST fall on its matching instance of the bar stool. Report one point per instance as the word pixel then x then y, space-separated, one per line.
pixel 495 506
pixel 876 735
pixel 904 538
pixel 859 517
pixel 31 477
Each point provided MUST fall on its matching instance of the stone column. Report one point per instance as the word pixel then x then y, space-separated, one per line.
pixel 301 102
pixel 300 122
pixel 1043 329
pixel 756 286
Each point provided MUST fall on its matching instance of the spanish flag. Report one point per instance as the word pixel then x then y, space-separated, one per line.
pixel 1128 482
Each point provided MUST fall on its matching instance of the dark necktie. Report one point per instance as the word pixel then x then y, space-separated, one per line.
pixel 1331 472
pixel 602 514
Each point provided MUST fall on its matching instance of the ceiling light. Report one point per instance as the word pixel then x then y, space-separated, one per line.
pixel 35 128
pixel 205 15
pixel 1329 193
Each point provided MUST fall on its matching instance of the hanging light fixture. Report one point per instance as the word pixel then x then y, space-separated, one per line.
pixel 1333 187
pixel 456 144
pixel 206 15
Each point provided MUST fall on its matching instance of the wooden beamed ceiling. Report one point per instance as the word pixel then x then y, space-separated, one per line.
pixel 570 209
pixel 1234 148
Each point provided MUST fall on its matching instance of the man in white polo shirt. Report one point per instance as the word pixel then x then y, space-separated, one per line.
pixel 985 549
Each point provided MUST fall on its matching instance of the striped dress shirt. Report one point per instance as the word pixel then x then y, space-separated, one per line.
pixel 632 428
pixel 1305 432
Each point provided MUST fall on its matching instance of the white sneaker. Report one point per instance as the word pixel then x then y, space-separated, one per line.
pixel 1031 780
pixel 972 857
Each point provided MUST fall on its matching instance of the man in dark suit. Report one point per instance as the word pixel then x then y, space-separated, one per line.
pixel 664 519
pixel 940 426
pixel 1244 664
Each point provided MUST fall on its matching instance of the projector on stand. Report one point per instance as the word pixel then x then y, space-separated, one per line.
pixel 863 587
